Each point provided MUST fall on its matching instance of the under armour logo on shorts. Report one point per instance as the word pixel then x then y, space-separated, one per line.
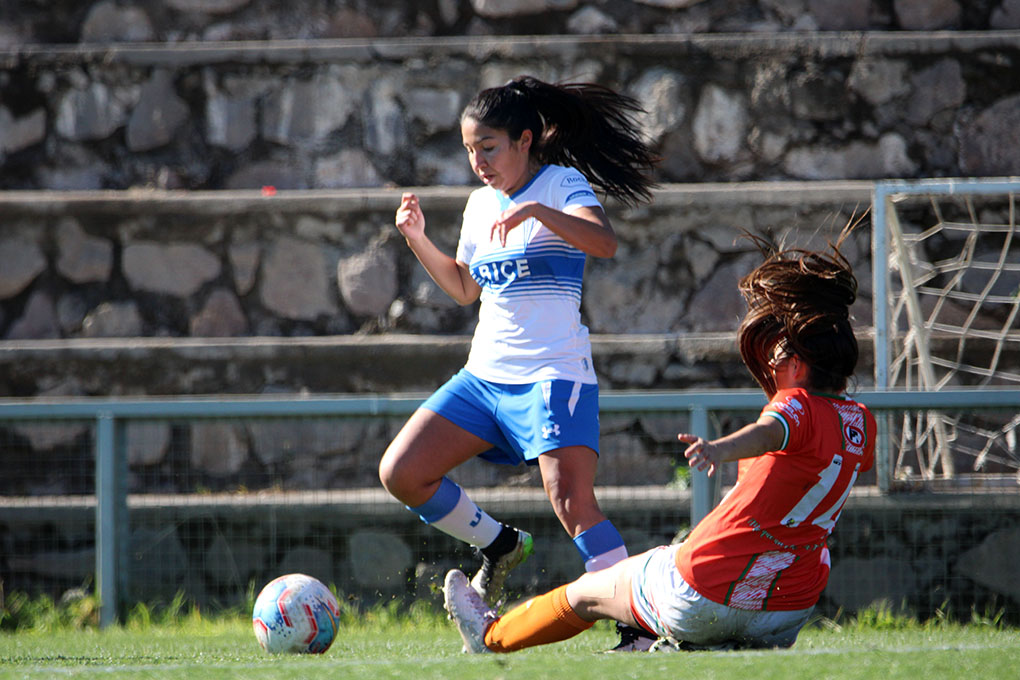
pixel 550 429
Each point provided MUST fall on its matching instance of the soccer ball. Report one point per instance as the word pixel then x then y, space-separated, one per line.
pixel 295 613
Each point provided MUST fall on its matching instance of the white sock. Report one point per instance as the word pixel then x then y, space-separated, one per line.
pixel 452 512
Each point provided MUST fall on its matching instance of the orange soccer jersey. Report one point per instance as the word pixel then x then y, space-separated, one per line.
pixel 764 546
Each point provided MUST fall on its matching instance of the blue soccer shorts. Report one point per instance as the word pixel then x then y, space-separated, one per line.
pixel 520 421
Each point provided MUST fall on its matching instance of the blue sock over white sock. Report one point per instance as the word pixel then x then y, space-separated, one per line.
pixel 600 546
pixel 452 512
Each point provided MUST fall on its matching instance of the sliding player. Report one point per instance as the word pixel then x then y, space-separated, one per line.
pixel 750 574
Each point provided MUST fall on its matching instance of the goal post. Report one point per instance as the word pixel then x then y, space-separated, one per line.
pixel 946 286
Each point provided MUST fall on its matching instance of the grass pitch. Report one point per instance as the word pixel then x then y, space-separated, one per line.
pixel 426 649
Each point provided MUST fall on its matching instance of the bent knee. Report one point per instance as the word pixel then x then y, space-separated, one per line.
pixel 393 474
pixel 406 482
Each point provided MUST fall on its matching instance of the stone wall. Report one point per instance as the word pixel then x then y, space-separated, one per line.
pixel 296 264
pixel 385 112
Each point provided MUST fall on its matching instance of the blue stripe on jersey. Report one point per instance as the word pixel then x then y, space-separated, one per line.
pixel 550 288
pixel 557 292
pixel 579 194
pixel 537 249
pixel 523 275
pixel 560 250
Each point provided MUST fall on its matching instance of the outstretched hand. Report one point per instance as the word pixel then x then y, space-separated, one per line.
pixel 701 453
pixel 410 220
pixel 510 218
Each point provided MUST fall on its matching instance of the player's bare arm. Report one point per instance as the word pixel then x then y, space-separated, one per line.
pixel 587 228
pixel 766 434
pixel 452 276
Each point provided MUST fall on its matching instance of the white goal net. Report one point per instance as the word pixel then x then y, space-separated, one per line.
pixel 946 317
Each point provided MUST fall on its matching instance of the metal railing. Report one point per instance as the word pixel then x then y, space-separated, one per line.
pixel 111 415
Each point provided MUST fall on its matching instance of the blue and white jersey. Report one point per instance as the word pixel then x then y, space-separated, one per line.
pixel 529 324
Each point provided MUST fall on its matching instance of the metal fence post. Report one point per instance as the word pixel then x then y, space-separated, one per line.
pixel 111 512
pixel 880 283
pixel 704 489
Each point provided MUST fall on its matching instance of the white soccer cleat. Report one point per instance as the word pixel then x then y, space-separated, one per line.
pixel 467 609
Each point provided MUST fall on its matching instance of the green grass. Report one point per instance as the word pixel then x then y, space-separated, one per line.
pixel 422 645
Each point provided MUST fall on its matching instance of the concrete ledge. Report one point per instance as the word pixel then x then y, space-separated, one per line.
pixel 384 363
pixel 503 500
pixel 728 45
pixel 340 201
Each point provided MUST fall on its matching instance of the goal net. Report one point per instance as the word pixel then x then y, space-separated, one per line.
pixel 946 317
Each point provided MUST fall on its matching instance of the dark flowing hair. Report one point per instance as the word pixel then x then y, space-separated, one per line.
pixel 583 125
pixel 800 299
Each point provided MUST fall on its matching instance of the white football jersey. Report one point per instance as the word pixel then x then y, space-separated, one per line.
pixel 529 324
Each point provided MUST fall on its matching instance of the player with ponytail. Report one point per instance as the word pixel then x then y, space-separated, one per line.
pixel 528 392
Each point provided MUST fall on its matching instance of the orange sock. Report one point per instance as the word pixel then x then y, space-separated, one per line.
pixel 539 621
